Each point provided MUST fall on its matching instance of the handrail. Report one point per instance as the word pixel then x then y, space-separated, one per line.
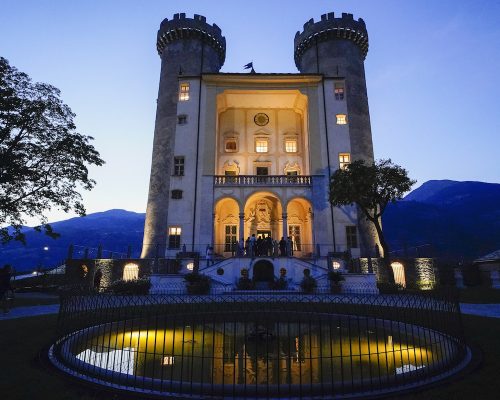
pixel 262 180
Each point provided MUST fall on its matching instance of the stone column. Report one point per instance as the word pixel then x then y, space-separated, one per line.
pixel 242 227
pixel 285 225
pixel 212 242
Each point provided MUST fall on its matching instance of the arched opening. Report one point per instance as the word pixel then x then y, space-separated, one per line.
pixel 226 227
pixel 263 216
pixel 263 274
pixel 299 227
pixel 399 273
pixel 130 272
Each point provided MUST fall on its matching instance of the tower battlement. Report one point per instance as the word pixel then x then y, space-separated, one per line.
pixel 180 28
pixel 330 27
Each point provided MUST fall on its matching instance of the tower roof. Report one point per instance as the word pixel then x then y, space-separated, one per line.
pixel 181 28
pixel 330 27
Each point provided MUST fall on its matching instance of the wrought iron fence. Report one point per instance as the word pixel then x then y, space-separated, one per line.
pixel 259 345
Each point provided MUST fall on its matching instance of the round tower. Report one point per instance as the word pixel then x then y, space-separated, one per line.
pixel 337 48
pixel 187 47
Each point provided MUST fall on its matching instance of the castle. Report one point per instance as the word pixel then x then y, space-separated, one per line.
pixel 242 154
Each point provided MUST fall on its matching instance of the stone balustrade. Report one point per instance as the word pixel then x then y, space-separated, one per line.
pixel 262 180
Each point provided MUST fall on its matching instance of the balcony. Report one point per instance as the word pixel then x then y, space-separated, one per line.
pixel 262 180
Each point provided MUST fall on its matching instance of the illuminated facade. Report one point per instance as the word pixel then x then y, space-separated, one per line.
pixel 241 154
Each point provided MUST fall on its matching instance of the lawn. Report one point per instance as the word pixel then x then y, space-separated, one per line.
pixel 24 377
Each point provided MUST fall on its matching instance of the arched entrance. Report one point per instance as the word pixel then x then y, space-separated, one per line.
pixel 226 226
pixel 263 274
pixel 263 216
pixel 300 227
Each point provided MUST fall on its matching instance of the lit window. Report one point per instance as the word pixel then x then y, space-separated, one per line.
pixel 168 360
pixel 261 145
pixel 341 119
pixel 176 194
pixel 190 266
pixel 174 237
pixel 130 272
pixel 182 119
pixel 344 160
pixel 351 236
pixel 179 166
pixel 230 239
pixel 291 146
pixel 184 92
pixel 230 146
pixel 339 91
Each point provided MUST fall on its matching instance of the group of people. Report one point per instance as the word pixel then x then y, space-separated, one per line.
pixel 265 247
pixel 5 287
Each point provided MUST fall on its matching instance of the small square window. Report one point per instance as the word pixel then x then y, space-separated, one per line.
pixel 344 160
pixel 184 91
pixel 261 145
pixel 176 194
pixel 339 91
pixel 341 119
pixel 230 146
pixel 174 237
pixel 182 119
pixel 291 146
pixel 179 166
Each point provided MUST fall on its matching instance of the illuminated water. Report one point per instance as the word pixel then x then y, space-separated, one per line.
pixel 254 353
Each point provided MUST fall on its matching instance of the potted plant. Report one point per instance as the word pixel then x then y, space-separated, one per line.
pixel 197 283
pixel 245 283
pixel 335 278
pixel 308 283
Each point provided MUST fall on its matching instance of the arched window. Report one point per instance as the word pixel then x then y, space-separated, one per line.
pixel 399 273
pixel 130 272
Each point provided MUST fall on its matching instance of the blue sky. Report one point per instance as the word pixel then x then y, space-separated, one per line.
pixel 432 76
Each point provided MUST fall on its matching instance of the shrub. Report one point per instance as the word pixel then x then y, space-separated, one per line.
pixel 245 283
pixel 279 284
pixel 308 284
pixel 389 288
pixel 197 283
pixel 132 287
pixel 335 276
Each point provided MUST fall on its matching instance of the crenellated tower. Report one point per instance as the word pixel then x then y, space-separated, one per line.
pixel 187 47
pixel 337 48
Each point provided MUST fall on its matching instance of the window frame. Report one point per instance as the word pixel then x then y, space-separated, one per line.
pixel 339 91
pixel 184 91
pixel 174 237
pixel 262 140
pixel 342 163
pixel 351 234
pixel 341 119
pixel 179 166
pixel 176 194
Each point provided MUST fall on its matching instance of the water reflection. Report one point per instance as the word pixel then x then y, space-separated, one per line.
pixel 264 353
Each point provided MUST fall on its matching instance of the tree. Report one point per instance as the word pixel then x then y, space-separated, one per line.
pixel 371 187
pixel 43 160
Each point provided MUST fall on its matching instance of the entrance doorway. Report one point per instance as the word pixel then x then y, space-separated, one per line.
pixel 263 234
pixel 263 274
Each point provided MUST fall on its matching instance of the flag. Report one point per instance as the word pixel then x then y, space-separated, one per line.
pixel 249 65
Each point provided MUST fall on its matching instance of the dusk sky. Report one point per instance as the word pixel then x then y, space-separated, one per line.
pixel 432 75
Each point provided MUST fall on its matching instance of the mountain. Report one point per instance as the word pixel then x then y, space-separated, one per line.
pixel 114 229
pixel 448 219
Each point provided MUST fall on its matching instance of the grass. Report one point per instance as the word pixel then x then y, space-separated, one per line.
pixel 479 294
pixel 23 377
pixel 24 300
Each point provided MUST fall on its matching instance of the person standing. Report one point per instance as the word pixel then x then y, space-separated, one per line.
pixel 282 245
